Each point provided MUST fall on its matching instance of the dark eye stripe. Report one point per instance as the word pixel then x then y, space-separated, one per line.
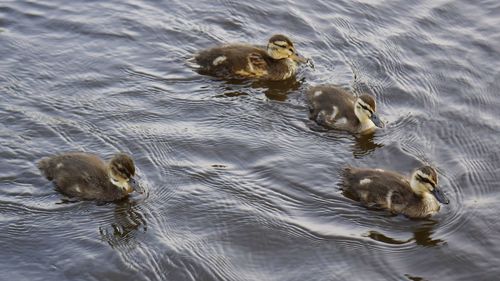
pixel 426 180
pixel 124 172
pixel 282 46
pixel 366 108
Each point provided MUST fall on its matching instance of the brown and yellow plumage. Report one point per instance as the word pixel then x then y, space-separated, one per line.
pixel 277 62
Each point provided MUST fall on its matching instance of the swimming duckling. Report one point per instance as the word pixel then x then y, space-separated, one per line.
pixel 417 197
pixel 335 108
pixel 278 62
pixel 86 176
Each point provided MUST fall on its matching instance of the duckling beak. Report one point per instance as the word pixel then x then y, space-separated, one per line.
pixel 134 186
pixel 376 120
pixel 440 196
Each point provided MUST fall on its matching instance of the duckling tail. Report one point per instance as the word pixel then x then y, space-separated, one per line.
pixel 347 170
pixel 193 63
pixel 44 167
pixel 345 173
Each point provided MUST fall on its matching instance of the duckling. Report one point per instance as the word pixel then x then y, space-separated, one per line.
pixel 335 108
pixel 277 62
pixel 416 197
pixel 88 177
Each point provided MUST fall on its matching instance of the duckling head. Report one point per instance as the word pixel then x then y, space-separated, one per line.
pixel 365 109
pixel 122 171
pixel 424 180
pixel 280 47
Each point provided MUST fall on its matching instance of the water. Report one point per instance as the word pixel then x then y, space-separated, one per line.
pixel 238 185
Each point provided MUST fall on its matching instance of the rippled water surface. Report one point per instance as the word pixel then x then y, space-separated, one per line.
pixel 238 185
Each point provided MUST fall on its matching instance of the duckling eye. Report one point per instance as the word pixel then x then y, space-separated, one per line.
pixel 281 46
pixel 366 109
pixel 427 181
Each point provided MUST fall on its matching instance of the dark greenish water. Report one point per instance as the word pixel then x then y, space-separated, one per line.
pixel 238 185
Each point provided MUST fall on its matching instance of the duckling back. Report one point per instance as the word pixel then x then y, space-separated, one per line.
pixel 332 107
pixel 225 61
pixel 377 188
pixel 336 108
pixel 80 175
pixel 386 190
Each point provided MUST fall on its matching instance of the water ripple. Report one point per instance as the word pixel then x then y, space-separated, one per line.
pixel 238 186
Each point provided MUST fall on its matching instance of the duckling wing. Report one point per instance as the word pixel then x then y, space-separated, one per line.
pixel 398 200
pixel 331 106
pixel 257 63
pixel 75 174
pixel 232 60
pixel 376 188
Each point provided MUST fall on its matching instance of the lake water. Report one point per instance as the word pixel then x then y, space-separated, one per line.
pixel 238 185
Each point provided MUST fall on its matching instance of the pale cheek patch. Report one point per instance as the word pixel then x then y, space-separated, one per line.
pixel 59 165
pixel 365 181
pixel 119 183
pixel 317 94
pixel 219 60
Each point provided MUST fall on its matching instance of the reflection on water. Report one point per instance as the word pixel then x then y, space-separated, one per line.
pixel 278 90
pixel 231 94
pixel 273 90
pixel 422 235
pixel 414 278
pixel 127 222
pixel 377 236
pixel 231 177
pixel 365 144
